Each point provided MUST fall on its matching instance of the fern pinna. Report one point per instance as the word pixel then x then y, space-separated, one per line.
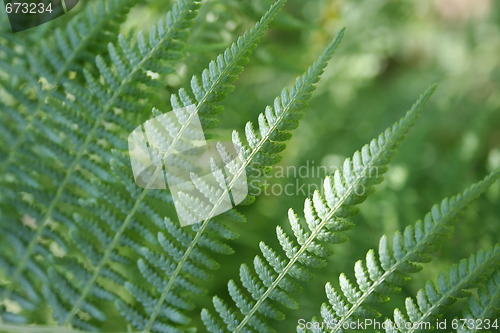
pixel 383 273
pixel 61 160
pixel 128 65
pixel 66 51
pixel 465 275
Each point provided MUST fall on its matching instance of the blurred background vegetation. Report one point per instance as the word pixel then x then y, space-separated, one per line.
pixel 392 51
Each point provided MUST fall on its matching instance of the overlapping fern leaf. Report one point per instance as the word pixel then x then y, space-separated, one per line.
pixel 383 273
pixel 42 68
pixel 482 310
pixel 69 144
pixel 325 215
pixel 434 298
pixel 28 78
pixel 185 255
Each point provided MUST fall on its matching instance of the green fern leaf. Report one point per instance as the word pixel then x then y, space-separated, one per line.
pixel 379 276
pixel 212 90
pixel 325 217
pixel 461 277
pixel 62 161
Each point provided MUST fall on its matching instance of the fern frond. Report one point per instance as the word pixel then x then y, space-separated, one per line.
pixel 482 310
pixel 435 297
pixel 325 217
pixel 62 160
pixel 381 274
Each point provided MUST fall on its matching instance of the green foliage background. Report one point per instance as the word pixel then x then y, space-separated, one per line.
pixel 392 51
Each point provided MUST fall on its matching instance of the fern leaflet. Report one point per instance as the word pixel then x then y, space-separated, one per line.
pixel 217 81
pixel 465 275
